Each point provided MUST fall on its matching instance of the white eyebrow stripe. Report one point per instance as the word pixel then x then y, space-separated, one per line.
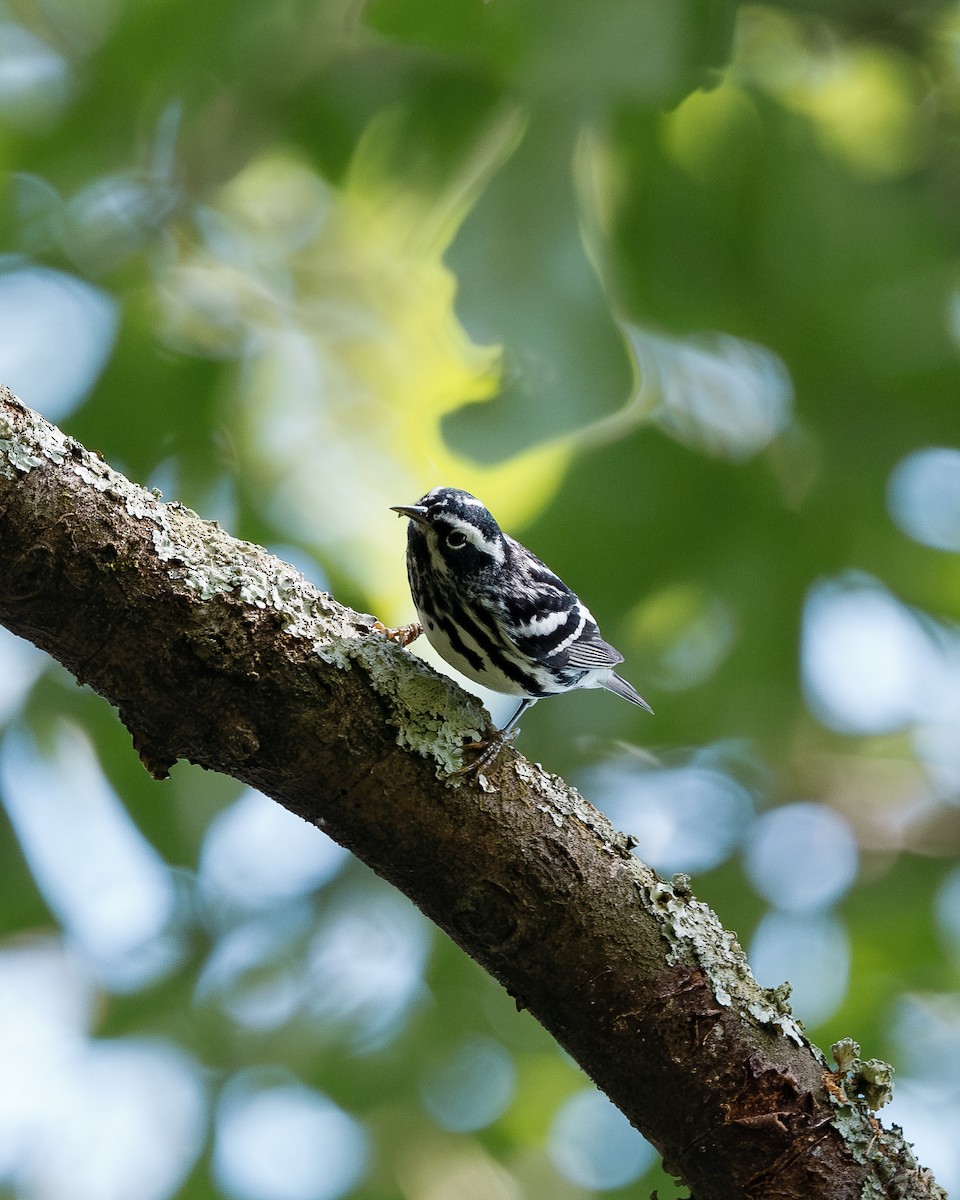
pixel 475 535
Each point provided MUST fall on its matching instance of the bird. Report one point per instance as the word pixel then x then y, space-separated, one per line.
pixel 496 613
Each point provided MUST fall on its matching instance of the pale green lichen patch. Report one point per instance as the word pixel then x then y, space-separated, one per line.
pixel 212 563
pixel 30 443
pixel 876 1083
pixel 897 1174
pixel 433 716
pixel 846 1054
pixel 33 441
pixel 563 802
pixel 870 1082
pixel 692 929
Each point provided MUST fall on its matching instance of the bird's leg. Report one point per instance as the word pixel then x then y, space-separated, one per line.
pixel 403 635
pixel 491 748
pixel 525 703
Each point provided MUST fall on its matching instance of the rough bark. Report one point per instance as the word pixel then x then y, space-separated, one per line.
pixel 213 651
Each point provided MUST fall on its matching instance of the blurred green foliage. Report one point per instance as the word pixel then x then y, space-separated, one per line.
pixel 673 286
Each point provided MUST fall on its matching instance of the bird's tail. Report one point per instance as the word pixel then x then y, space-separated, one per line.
pixel 619 686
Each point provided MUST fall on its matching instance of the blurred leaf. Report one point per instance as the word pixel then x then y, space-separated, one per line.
pixel 528 284
pixel 584 54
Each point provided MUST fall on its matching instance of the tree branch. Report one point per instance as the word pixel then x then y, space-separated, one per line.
pixel 216 652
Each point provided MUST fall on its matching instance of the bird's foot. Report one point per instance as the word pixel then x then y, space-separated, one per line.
pixel 403 635
pixel 488 751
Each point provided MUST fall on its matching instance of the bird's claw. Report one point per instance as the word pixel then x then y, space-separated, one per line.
pixel 489 750
pixel 403 635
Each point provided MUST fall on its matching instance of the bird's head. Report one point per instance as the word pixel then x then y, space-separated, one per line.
pixel 456 529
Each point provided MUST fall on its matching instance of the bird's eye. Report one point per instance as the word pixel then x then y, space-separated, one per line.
pixel 456 538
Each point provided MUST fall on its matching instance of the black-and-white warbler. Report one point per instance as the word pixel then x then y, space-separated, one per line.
pixel 496 613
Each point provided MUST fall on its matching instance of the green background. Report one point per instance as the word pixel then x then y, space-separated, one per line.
pixel 672 286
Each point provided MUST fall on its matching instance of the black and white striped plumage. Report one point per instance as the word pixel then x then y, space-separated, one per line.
pixel 494 611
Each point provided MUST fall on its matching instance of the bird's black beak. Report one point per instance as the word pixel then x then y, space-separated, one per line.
pixel 416 512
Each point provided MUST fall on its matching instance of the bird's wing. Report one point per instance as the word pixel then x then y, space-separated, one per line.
pixel 543 615
pixel 531 601
pixel 591 652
